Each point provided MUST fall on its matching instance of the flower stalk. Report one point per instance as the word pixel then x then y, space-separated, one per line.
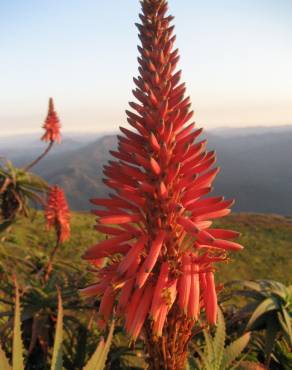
pixel 161 247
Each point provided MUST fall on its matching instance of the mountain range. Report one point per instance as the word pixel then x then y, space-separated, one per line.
pixel 256 166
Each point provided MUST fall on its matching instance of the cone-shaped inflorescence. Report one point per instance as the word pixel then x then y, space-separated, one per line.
pixel 52 125
pixel 58 214
pixel 158 217
pixel 52 134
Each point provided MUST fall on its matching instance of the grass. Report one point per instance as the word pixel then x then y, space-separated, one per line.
pixel 267 240
pixel 268 247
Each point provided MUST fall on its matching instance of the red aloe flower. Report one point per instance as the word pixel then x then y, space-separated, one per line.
pixel 162 250
pixel 52 125
pixel 58 214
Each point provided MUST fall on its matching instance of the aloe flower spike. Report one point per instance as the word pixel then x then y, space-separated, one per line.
pixel 52 133
pixel 159 180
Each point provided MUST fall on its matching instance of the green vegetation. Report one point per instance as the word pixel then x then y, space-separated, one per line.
pixel 270 309
pixel 267 240
pixel 25 247
pixel 28 237
pixel 215 355
pixel 18 188
pixel 96 362
pixel 268 247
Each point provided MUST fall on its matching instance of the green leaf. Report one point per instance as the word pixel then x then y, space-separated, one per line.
pixel 57 360
pixel 93 361
pixel 275 288
pixel 4 364
pixel 98 359
pixel 248 293
pixel 106 348
pixel 268 304
pixel 250 284
pixel 208 354
pixel 285 322
pixel 17 350
pixel 289 291
pixel 234 350
pixel 219 340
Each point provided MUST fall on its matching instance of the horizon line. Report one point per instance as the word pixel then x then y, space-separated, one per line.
pixel 106 132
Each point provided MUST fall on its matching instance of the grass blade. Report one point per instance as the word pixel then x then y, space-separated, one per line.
pixel 267 305
pixel 98 359
pixel 219 340
pixel 4 361
pixel 57 360
pixel 17 350
pixel 234 350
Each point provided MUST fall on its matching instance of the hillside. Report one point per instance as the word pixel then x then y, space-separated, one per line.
pixel 79 172
pixel 256 168
pixel 267 240
pixel 256 171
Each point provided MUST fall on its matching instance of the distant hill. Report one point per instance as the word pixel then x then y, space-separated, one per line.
pixel 256 168
pixel 253 130
pixel 21 149
pixel 79 172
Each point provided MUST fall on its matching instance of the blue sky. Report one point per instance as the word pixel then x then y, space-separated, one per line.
pixel 236 58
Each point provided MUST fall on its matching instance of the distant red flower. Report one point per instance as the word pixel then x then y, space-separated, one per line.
pixel 52 125
pixel 162 249
pixel 58 214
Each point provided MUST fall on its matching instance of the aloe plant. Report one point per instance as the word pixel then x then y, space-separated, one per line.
pixel 17 185
pixel 39 299
pixel 215 355
pixel 17 189
pixel 96 362
pixel 270 310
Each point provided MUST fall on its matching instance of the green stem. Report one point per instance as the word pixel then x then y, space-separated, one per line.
pixel 48 269
pixel 33 163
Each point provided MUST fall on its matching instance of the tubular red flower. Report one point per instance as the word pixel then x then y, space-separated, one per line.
pixel 141 312
pixel 57 213
pixel 160 178
pixel 132 255
pixel 109 247
pixel 185 283
pixel 169 294
pixel 211 299
pixel 52 125
pixel 106 306
pixel 160 285
pixel 194 298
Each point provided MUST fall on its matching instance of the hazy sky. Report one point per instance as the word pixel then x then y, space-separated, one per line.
pixel 236 58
